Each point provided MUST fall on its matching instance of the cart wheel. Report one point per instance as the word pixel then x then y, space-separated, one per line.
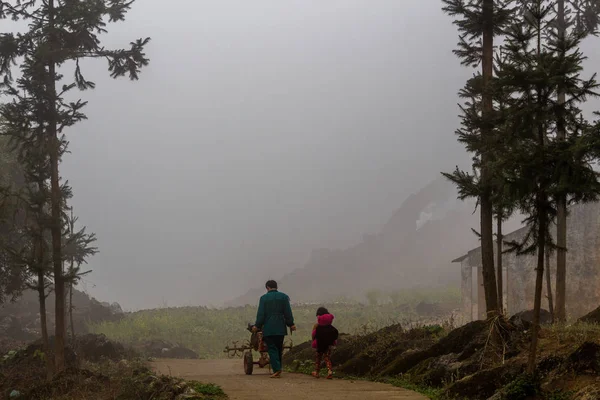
pixel 248 363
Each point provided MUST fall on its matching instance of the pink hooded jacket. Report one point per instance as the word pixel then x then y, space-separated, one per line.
pixel 323 320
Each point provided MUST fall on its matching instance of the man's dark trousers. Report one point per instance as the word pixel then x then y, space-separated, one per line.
pixel 275 349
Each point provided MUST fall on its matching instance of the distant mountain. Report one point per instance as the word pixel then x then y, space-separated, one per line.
pixel 414 248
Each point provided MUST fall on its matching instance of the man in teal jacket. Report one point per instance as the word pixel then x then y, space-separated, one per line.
pixel 273 317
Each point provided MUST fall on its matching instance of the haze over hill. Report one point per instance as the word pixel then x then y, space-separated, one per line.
pixel 261 130
pixel 414 248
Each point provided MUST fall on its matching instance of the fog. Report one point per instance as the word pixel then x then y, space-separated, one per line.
pixel 261 130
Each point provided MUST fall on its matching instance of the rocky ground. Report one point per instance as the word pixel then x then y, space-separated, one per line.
pixel 479 360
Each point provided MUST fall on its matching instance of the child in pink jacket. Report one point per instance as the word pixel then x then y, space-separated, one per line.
pixel 324 337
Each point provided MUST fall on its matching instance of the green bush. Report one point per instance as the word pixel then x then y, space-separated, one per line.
pixel 207 389
pixel 521 388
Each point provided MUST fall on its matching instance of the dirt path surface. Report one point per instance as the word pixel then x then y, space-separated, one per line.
pixel 230 376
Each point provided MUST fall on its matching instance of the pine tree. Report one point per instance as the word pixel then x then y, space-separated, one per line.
pixel 13 276
pixel 60 32
pixel 504 205
pixel 78 247
pixel 572 17
pixel 537 158
pixel 478 23
pixel 29 144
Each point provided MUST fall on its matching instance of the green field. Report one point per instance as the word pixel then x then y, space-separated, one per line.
pixel 207 330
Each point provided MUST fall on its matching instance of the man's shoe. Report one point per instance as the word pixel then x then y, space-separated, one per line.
pixel 276 375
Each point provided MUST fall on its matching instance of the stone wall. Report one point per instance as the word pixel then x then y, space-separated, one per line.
pixel 583 267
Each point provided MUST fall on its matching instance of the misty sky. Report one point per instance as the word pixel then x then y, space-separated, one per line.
pixel 261 130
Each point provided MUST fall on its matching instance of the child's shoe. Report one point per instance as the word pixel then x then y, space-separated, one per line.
pixel 329 374
pixel 315 374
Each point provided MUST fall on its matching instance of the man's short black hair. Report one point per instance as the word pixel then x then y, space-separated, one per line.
pixel 271 284
pixel 322 311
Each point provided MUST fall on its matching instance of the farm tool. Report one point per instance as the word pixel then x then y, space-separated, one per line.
pixel 244 350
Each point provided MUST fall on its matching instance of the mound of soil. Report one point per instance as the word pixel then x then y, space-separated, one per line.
pixel 369 354
pixel 464 342
pixel 23 367
pixel 70 381
pixel 480 360
pixel 125 383
pixel 483 384
pixel 94 348
pixel 524 319
pixel 593 317
pixel 27 365
pixel 585 360
pixel 90 347
pixel 164 349
pixel 384 347
pixel 422 357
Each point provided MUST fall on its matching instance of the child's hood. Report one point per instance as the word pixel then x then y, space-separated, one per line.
pixel 326 319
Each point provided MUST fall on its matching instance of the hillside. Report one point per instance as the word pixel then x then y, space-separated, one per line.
pixel 414 248
pixel 20 320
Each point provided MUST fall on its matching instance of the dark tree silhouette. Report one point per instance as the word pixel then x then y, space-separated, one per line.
pixel 60 33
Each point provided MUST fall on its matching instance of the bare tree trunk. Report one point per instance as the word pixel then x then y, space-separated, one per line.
pixel 71 312
pixel 487 214
pixel 539 279
pixel 71 279
pixel 549 285
pixel 499 238
pixel 55 200
pixel 561 218
pixel 41 288
pixel 59 284
pixel 65 305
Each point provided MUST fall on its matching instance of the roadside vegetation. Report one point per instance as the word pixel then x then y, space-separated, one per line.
pixel 97 369
pixel 462 363
pixel 207 330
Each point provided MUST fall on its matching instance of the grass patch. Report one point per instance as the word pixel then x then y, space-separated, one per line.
pixel 560 395
pixel 207 331
pixel 307 367
pixel 432 393
pixel 573 334
pixel 207 389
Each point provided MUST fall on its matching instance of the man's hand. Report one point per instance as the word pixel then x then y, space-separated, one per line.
pixel 293 328
pixel 254 329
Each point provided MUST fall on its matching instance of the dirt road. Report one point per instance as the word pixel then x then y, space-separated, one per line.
pixel 230 376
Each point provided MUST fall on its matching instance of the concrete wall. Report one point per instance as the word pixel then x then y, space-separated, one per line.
pixel 583 268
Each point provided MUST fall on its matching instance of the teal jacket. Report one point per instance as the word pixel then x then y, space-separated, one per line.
pixel 274 314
